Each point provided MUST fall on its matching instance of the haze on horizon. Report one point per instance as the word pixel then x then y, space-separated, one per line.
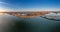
pixel 29 5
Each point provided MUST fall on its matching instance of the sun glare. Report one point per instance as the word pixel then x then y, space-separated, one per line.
pixel 2 10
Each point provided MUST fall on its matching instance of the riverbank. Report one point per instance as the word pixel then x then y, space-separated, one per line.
pixel 26 16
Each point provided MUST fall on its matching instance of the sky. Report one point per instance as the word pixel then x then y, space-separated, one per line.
pixel 29 5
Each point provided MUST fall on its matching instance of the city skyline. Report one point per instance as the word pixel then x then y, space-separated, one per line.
pixel 29 5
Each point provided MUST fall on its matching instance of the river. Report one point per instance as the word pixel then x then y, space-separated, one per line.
pixel 9 23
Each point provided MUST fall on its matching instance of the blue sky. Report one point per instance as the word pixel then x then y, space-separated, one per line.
pixel 30 5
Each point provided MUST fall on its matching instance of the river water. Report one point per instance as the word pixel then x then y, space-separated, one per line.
pixel 9 23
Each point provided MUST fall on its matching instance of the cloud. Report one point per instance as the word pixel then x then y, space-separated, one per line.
pixel 3 3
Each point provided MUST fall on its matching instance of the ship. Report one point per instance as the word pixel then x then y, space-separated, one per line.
pixel 52 16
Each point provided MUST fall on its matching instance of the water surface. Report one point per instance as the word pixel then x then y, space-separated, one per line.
pixel 9 23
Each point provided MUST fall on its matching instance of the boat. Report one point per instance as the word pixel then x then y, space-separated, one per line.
pixel 52 17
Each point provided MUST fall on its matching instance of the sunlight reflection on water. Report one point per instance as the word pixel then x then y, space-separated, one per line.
pixel 36 24
pixel 7 22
